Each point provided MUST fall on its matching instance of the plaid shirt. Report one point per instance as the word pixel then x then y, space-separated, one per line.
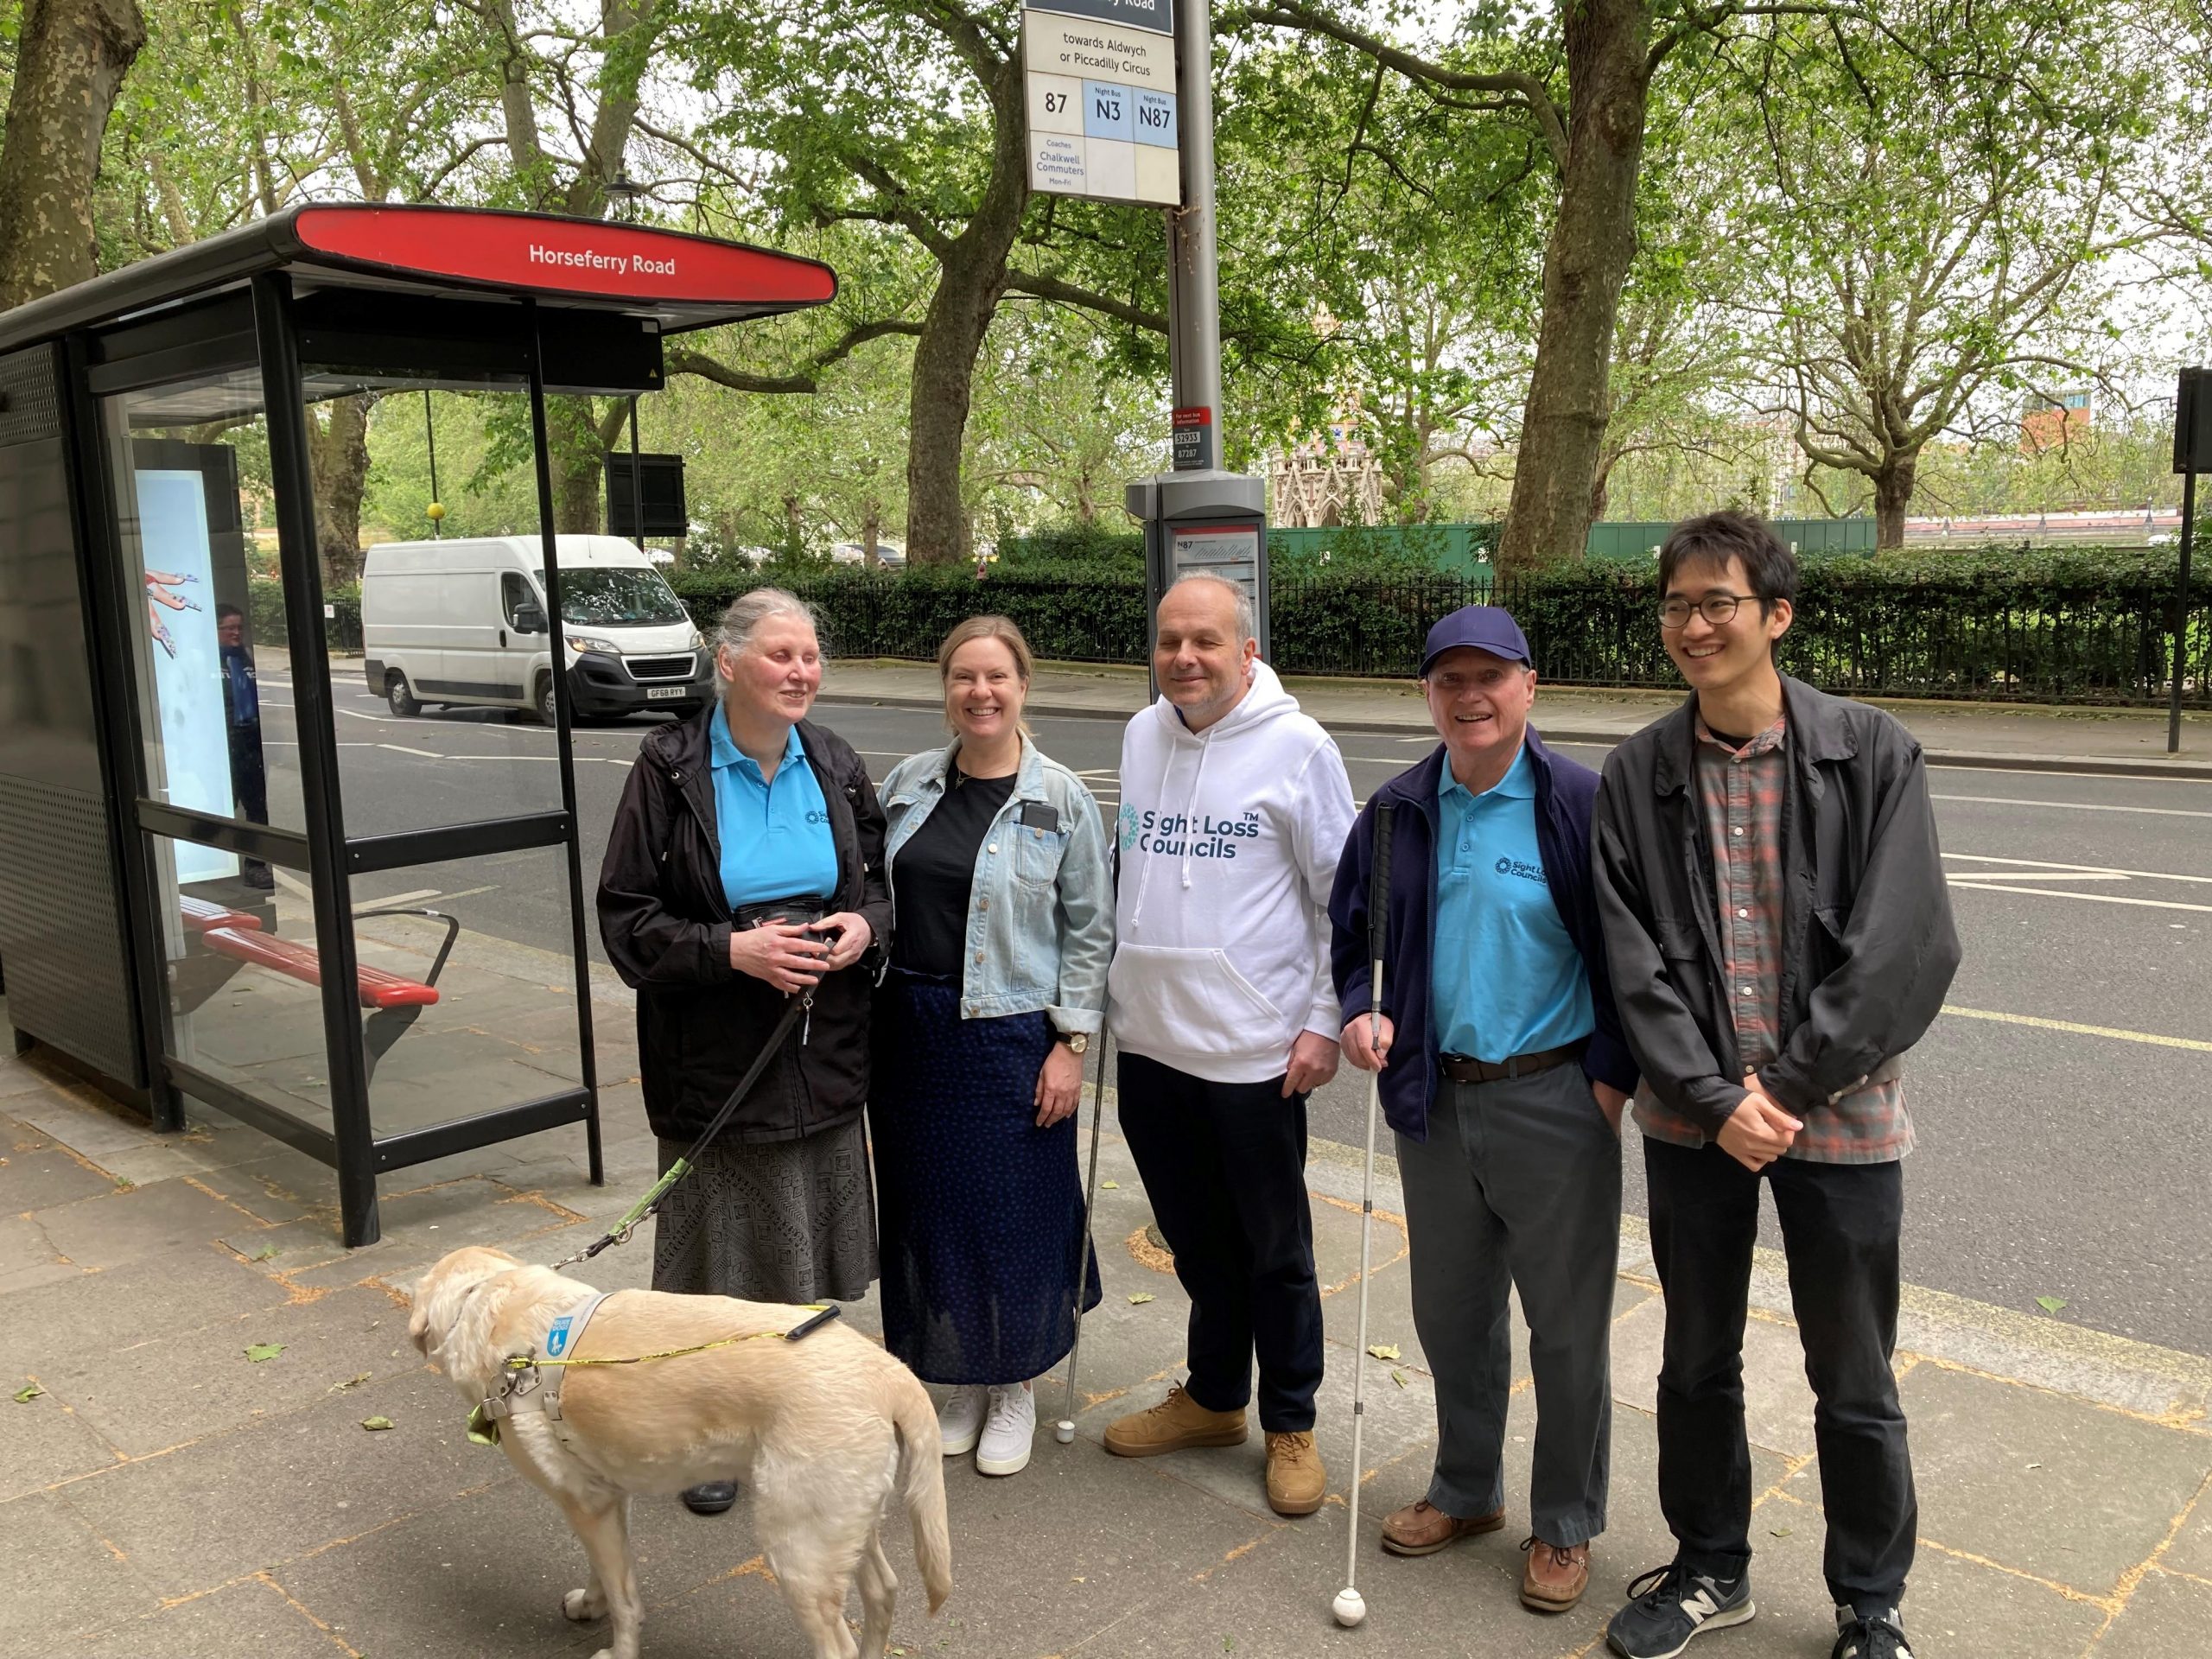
pixel 1739 792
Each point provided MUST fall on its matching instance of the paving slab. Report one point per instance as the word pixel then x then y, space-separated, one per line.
pixel 63 1578
pixel 28 1257
pixel 2074 1495
pixel 152 1296
pixel 151 1396
pixel 47 1442
pixel 2166 1617
pixel 419 1226
pixel 36 1174
pixel 252 1618
pixel 2191 1549
pixel 1777 1401
pixel 127 1224
pixel 235 1505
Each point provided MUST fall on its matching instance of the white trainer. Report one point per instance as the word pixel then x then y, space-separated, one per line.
pixel 1007 1434
pixel 961 1421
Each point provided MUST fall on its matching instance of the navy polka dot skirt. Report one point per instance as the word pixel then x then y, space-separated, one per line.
pixel 979 1211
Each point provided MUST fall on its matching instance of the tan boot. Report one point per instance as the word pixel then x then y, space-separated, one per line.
pixel 1555 1577
pixel 1296 1480
pixel 1175 1425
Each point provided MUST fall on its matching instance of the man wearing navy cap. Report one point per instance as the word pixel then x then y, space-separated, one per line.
pixel 1503 1073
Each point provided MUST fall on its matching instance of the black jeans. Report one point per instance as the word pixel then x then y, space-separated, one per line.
pixel 1225 1166
pixel 1840 1226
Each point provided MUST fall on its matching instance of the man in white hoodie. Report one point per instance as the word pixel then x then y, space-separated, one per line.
pixel 1234 808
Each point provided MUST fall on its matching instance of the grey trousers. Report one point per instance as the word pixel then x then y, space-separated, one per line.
pixel 1518 1183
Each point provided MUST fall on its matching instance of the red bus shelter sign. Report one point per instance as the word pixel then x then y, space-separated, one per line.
pixel 529 252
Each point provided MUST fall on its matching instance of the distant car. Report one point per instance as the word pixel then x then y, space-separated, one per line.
pixel 854 553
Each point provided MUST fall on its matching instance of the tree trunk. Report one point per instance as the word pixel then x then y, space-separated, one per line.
pixel 794 527
pixel 338 450
pixel 871 533
pixel 71 57
pixel 1585 262
pixel 972 275
pixel 1892 495
pixel 577 454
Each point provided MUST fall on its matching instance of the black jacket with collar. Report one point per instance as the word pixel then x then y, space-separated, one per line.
pixel 1868 946
pixel 666 926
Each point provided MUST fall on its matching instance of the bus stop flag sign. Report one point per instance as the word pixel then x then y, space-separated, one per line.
pixel 1099 76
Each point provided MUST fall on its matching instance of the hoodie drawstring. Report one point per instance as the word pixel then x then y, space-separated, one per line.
pixel 1198 776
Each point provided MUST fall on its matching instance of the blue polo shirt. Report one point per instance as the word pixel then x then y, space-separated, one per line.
pixel 1505 978
pixel 775 835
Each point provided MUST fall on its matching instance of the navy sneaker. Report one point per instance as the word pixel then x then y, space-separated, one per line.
pixel 1670 1604
pixel 1869 1635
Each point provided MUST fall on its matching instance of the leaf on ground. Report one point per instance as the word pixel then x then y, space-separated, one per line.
pixel 28 1393
pixel 261 1351
pixel 267 1252
pixel 1140 1298
pixel 1778 1532
pixel 2050 1304
pixel 376 1422
pixel 1398 1377
pixel 354 1382
pixel 1384 1350
pixel 1111 1186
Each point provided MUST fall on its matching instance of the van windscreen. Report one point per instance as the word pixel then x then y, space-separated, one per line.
pixel 615 597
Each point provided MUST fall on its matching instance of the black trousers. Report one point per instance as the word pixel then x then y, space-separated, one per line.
pixel 1839 1228
pixel 1225 1166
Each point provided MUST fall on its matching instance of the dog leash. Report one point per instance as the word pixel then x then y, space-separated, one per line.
pixel 795 1008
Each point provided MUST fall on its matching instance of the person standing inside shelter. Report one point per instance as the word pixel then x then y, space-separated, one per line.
pixel 1504 1074
pixel 1234 808
pixel 1780 934
pixel 242 720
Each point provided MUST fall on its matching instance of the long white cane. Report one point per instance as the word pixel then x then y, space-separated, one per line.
pixel 1064 1431
pixel 1350 1607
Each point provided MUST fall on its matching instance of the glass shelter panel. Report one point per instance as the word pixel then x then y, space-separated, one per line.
pixel 189 462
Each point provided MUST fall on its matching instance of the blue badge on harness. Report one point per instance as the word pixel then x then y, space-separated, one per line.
pixel 556 1339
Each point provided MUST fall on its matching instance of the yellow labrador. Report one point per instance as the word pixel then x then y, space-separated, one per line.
pixel 817 1430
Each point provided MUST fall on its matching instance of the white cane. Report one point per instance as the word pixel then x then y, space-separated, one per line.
pixel 1064 1431
pixel 1350 1608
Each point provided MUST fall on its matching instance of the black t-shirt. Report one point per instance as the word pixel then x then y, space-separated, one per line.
pixel 935 875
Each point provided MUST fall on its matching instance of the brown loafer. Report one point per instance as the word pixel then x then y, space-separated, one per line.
pixel 1421 1529
pixel 1555 1577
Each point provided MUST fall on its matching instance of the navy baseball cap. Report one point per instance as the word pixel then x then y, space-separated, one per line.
pixel 1487 627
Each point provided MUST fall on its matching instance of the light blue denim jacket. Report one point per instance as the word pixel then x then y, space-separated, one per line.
pixel 1040 921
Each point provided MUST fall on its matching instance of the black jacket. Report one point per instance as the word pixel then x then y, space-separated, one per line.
pixel 1868 946
pixel 666 928
pixel 1564 789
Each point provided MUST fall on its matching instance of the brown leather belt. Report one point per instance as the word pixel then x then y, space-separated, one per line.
pixel 1462 1069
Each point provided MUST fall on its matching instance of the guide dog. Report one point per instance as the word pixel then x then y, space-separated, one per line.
pixel 817 1429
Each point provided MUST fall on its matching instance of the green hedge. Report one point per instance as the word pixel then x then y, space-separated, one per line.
pixel 2078 625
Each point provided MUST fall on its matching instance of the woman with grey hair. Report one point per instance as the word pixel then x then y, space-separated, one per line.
pixel 745 869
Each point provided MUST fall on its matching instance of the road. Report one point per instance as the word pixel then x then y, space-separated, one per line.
pixel 2064 1150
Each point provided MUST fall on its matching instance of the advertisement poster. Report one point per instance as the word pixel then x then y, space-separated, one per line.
pixel 188 660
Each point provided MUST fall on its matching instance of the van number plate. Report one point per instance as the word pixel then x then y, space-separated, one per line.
pixel 653 692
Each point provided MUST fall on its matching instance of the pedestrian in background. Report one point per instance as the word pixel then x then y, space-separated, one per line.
pixel 996 990
pixel 1780 934
pixel 1233 809
pixel 745 867
pixel 242 720
pixel 1503 1073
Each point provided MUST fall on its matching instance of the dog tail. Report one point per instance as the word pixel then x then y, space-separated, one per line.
pixel 921 1482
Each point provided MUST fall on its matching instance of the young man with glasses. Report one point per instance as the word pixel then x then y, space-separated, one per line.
pixel 1779 934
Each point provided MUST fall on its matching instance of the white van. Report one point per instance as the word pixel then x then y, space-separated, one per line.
pixel 463 622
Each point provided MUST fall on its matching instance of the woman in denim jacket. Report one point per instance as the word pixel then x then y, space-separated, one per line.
pixel 1002 924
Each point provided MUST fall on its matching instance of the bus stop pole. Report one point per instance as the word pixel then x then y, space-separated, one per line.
pixel 2181 611
pixel 1193 264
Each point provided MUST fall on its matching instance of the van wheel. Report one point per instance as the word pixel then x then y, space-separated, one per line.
pixel 546 711
pixel 400 697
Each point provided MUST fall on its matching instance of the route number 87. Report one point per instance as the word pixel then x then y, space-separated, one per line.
pixel 1055 102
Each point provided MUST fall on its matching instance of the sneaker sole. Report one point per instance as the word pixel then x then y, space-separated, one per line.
pixel 1293 1510
pixel 1002 1467
pixel 1188 1442
pixel 1719 1622
pixel 961 1448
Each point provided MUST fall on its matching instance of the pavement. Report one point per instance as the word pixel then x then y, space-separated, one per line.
pixel 2032 737
pixel 194 1361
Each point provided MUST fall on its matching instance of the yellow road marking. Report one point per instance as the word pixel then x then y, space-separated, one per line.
pixel 2075 1029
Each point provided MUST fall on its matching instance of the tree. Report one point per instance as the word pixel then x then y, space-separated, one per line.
pixel 71 56
pixel 1938 201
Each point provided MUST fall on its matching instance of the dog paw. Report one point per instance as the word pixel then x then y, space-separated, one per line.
pixel 580 1606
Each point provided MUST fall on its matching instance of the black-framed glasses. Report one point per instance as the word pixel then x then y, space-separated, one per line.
pixel 1719 609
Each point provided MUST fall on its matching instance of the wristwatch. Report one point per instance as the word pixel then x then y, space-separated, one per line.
pixel 1078 1042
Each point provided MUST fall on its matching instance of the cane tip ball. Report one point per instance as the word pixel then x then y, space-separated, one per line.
pixel 1063 1431
pixel 434 512
pixel 1352 1607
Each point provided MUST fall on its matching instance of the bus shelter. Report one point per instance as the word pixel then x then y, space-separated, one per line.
pixel 229 868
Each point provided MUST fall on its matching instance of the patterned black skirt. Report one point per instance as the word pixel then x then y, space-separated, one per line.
pixel 781 1221
pixel 981 1211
